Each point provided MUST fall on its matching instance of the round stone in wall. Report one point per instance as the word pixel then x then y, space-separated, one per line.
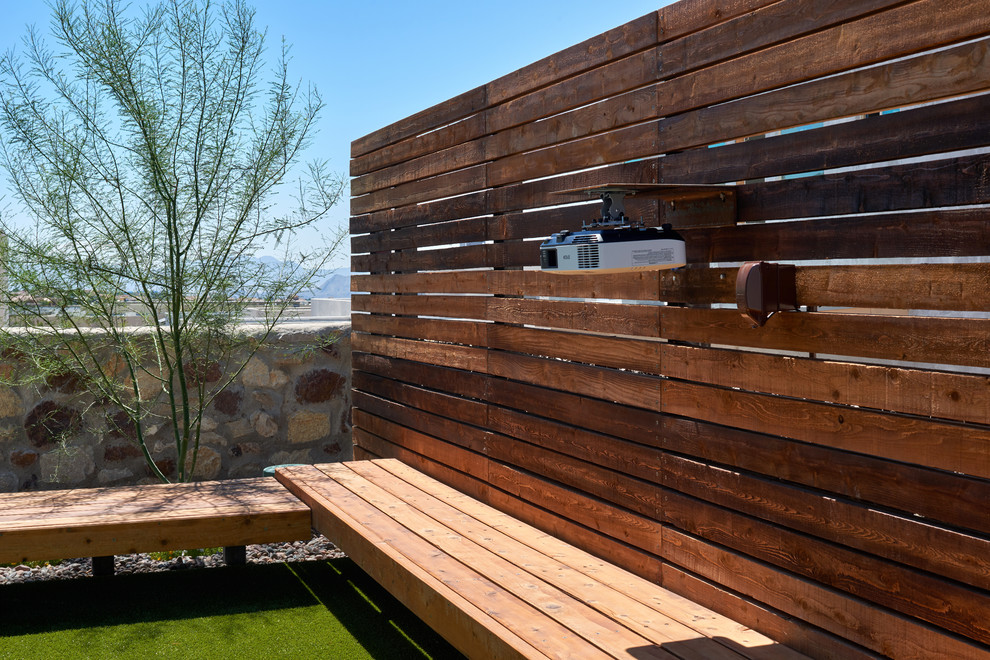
pixel 318 385
pixel 48 422
pixel 307 426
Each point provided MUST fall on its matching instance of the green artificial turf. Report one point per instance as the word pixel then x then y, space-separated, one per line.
pixel 300 610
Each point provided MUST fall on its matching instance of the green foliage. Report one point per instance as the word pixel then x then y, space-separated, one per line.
pixel 149 151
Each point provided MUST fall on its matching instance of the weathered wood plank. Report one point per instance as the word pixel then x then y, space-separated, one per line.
pixel 409 572
pixel 900 31
pixel 775 23
pixel 917 593
pixel 529 546
pixel 952 499
pixel 941 340
pixel 904 539
pixel 911 440
pixel 962 397
pixel 952 126
pixel 876 629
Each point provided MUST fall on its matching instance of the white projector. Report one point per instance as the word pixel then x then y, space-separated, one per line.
pixel 612 244
pixel 613 250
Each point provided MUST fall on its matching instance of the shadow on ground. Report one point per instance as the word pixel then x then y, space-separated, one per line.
pixel 354 605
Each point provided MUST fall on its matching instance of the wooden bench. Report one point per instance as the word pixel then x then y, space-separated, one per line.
pixel 495 587
pixel 103 522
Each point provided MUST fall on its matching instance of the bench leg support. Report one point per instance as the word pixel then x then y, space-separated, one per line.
pixel 103 566
pixel 235 555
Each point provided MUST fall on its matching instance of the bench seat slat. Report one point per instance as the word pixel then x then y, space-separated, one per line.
pixel 657 613
pixel 96 514
pixel 37 526
pixel 157 497
pixel 653 625
pixel 630 585
pixel 602 607
pixel 578 618
pixel 338 514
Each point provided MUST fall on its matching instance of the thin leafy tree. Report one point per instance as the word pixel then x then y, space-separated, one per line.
pixel 150 154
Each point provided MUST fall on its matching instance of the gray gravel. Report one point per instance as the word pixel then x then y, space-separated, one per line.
pixel 318 548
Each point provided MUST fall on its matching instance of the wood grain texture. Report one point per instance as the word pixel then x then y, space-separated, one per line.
pixel 941 340
pixel 900 31
pixel 442 113
pixel 905 539
pixel 875 629
pixel 951 126
pixel 947 287
pixel 519 540
pixel 945 603
pixel 949 498
pixel 764 26
pixel 915 441
pixel 962 397
pixel 924 234
pixel 46 525
pixel 790 630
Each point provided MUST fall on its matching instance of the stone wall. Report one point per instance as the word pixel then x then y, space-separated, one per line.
pixel 290 404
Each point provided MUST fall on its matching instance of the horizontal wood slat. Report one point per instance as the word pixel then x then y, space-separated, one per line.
pixel 961 397
pixel 961 287
pixel 876 629
pixel 958 501
pixel 914 592
pixel 962 341
pixel 778 22
pixel 897 32
pixel 951 126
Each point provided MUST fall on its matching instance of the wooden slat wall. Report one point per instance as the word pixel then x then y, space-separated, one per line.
pixel 824 479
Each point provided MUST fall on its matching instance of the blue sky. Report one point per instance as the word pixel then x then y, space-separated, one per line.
pixel 377 62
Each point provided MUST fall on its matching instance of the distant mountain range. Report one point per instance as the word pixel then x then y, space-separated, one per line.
pixel 332 283
pixel 335 284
